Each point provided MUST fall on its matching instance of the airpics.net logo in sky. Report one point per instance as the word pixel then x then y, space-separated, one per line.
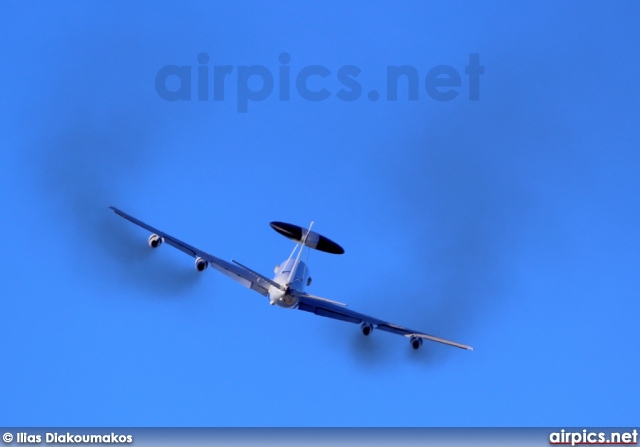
pixel 255 83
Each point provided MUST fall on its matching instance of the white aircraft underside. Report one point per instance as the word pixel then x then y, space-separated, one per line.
pixel 286 289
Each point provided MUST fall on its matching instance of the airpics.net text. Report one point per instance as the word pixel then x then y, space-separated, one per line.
pixel 255 83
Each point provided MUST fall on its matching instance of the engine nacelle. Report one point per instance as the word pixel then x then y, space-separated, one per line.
pixel 155 241
pixel 367 329
pixel 201 264
pixel 416 342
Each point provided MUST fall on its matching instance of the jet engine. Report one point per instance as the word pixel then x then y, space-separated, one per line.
pixel 201 264
pixel 155 241
pixel 367 328
pixel 416 342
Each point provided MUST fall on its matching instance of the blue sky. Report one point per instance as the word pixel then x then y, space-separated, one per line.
pixel 510 223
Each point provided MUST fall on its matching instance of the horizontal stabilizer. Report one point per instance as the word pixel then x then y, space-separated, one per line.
pixel 264 278
pixel 318 298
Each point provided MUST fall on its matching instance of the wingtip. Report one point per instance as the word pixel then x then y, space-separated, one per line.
pixel 118 212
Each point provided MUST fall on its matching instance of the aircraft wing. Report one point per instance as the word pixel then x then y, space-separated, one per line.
pixel 327 308
pixel 244 276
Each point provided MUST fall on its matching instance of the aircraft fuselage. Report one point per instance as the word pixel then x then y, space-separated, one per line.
pixel 297 281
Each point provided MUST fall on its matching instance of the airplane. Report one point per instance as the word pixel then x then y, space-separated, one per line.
pixel 286 288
